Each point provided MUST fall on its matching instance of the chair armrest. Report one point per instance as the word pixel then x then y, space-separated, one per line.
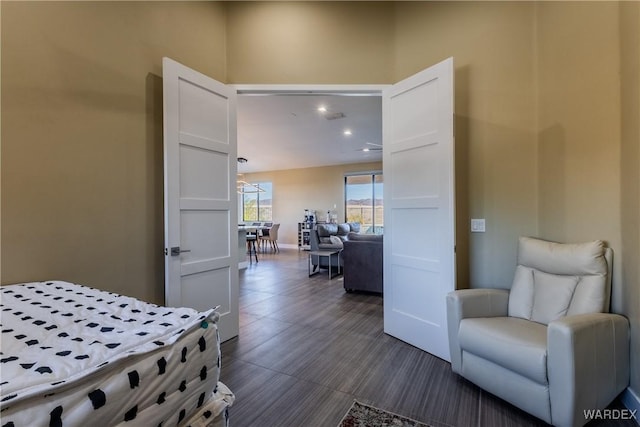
pixel 587 364
pixel 313 239
pixel 467 303
pixel 478 303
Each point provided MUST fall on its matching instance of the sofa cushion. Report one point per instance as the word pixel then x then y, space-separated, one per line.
pixel 365 237
pixel 355 226
pixel 516 344
pixel 343 229
pixel 326 230
pixel 337 241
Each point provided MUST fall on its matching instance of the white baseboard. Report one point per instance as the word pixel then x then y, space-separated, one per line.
pixel 288 245
pixel 631 400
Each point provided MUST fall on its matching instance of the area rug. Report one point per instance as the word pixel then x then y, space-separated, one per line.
pixel 361 415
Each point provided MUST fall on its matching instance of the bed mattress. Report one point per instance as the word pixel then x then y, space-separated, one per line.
pixel 74 356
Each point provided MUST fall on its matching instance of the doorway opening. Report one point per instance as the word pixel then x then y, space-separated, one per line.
pixel 304 127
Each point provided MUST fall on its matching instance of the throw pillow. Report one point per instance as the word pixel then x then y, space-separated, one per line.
pixel 335 240
pixel 552 296
pixel 343 229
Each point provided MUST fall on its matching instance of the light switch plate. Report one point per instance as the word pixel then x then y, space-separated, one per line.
pixel 477 225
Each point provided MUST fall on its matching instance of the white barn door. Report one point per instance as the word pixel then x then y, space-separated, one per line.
pixel 419 202
pixel 201 238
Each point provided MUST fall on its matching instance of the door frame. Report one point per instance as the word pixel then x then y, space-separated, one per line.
pixel 310 89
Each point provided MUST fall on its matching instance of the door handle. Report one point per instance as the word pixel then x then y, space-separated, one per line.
pixel 175 251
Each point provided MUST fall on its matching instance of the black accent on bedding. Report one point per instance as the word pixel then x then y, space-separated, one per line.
pixel 73 356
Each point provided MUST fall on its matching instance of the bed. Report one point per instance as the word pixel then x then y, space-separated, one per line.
pixel 71 355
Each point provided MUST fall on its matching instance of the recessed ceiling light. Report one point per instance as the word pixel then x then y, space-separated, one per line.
pixel 366 150
pixel 347 132
pixel 322 109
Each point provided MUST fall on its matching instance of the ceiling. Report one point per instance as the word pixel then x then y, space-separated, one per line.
pixel 286 131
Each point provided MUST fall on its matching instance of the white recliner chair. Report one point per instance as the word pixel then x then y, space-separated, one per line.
pixel 548 345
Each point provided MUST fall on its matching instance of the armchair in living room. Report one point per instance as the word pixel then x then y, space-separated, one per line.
pixel 549 344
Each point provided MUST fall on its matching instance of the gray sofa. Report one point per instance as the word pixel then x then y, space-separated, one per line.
pixel 320 239
pixel 362 258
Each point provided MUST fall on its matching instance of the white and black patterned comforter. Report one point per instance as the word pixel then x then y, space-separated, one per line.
pixel 73 355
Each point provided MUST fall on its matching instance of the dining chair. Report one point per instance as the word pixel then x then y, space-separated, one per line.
pixel 251 246
pixel 256 232
pixel 263 232
pixel 272 237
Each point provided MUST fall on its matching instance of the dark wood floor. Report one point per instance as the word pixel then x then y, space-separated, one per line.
pixel 307 349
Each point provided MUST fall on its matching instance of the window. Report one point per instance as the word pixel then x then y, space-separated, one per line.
pixel 257 201
pixel 363 201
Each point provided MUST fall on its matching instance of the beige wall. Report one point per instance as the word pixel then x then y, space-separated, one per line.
pixel 579 122
pixel 588 137
pixel 82 135
pixel 495 122
pixel 310 42
pixel 630 175
pixel 316 189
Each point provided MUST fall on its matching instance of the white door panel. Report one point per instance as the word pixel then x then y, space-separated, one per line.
pixel 196 288
pixel 419 250
pixel 204 232
pixel 203 111
pixel 417 173
pixel 200 173
pixel 200 198
pixel 414 120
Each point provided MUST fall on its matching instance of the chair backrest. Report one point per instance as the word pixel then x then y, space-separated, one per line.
pixel 554 280
pixel 273 232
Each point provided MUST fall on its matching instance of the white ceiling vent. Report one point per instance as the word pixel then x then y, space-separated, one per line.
pixel 334 116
